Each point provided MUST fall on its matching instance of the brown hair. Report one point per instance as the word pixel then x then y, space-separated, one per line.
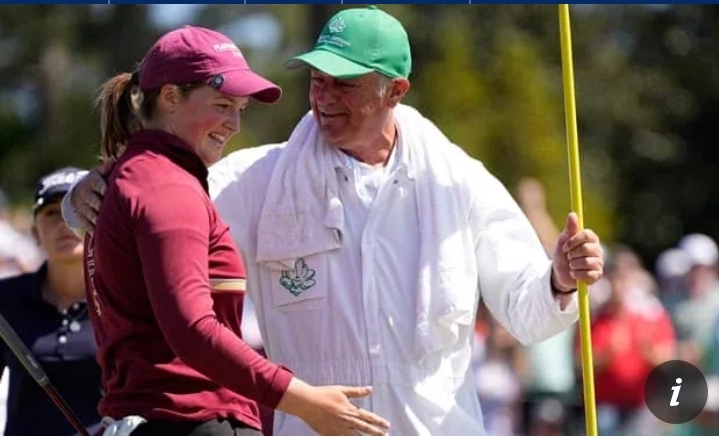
pixel 124 107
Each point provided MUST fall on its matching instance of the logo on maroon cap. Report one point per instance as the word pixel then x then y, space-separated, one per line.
pixel 228 47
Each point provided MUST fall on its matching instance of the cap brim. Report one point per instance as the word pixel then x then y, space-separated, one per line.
pixel 49 197
pixel 247 83
pixel 329 63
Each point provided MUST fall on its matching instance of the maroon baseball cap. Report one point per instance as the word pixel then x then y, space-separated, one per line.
pixel 196 54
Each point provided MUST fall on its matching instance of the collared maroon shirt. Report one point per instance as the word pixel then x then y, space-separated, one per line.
pixel 166 289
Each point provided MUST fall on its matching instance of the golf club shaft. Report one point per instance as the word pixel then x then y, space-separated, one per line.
pixel 28 361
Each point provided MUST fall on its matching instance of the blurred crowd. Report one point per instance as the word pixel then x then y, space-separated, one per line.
pixel 18 251
pixel 641 316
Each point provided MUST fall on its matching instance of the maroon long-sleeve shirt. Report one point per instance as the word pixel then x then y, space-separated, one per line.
pixel 166 289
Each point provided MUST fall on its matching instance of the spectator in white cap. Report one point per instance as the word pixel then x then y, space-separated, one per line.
pixel 671 270
pixel 694 317
pixel 703 255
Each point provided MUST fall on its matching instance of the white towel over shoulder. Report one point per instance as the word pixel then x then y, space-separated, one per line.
pixel 302 214
pixel 448 268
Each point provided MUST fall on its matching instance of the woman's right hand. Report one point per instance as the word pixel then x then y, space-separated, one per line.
pixel 328 410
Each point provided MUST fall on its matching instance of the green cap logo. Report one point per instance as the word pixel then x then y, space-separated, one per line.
pixel 336 25
pixel 356 42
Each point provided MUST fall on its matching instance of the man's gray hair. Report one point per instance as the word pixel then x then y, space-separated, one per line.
pixel 383 85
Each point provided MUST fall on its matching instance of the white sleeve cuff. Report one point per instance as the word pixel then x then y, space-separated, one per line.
pixel 561 304
pixel 72 220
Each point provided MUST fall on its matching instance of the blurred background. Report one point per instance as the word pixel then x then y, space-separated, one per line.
pixel 647 87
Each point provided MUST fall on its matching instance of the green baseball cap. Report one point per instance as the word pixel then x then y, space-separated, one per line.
pixel 355 42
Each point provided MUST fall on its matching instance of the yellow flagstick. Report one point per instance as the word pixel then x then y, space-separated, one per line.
pixel 575 183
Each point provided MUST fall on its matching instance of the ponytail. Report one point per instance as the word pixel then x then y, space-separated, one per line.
pixel 118 116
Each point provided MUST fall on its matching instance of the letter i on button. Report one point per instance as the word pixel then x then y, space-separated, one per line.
pixel 675 390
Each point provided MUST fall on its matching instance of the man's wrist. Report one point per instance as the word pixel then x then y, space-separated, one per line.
pixel 558 289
